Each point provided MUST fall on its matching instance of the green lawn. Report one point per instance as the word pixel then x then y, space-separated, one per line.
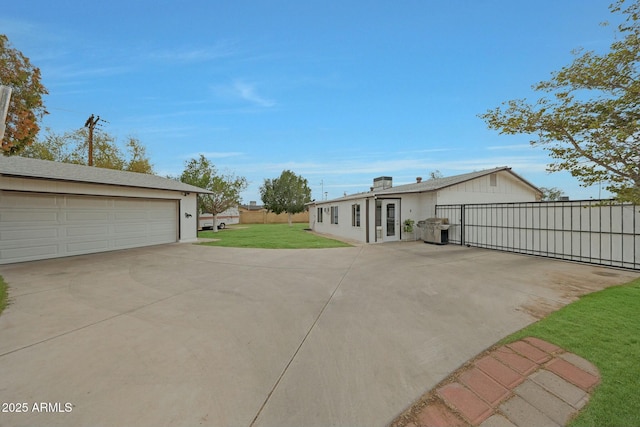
pixel 270 236
pixel 604 328
pixel 3 294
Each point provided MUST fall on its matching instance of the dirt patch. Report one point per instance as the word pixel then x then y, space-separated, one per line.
pixel 570 287
pixel 540 307
pixel 606 273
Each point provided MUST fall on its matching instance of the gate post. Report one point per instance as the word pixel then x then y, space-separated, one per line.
pixel 462 225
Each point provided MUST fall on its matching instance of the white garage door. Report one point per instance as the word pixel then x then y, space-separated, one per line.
pixel 37 226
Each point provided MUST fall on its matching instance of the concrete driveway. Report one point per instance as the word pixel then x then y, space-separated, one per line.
pixel 186 335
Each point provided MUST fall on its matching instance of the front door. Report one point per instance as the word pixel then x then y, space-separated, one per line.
pixel 390 221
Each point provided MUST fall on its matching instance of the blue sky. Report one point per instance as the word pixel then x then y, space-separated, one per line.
pixel 339 92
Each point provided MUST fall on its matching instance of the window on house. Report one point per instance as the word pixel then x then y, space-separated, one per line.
pixel 319 214
pixel 334 214
pixel 355 215
pixel 493 180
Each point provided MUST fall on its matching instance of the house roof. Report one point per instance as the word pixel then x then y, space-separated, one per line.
pixel 435 184
pixel 44 169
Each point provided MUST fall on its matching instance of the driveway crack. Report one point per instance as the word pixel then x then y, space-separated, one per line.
pixel 295 353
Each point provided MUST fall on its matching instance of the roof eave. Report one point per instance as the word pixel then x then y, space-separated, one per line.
pixel 80 181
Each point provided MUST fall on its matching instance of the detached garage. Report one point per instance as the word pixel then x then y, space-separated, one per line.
pixel 50 209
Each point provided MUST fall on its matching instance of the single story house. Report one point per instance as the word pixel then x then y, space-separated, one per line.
pixel 378 215
pixel 51 209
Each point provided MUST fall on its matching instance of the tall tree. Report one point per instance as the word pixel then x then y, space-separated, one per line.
pixel 590 122
pixel 26 107
pixel 71 147
pixel 287 193
pixel 551 193
pixel 436 174
pixel 226 188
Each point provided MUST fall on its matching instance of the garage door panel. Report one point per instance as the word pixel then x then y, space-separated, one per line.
pixel 88 246
pixel 131 216
pixel 130 204
pixel 87 216
pixel 158 239
pixel 79 202
pixel 7 236
pixel 37 226
pixel 28 254
pixel 159 226
pixel 19 216
pixel 133 241
pixel 87 231
pixel 126 228
pixel 25 200
pixel 160 214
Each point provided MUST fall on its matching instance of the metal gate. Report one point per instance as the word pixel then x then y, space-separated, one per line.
pixel 592 231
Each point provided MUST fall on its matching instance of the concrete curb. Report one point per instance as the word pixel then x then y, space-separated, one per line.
pixel 524 383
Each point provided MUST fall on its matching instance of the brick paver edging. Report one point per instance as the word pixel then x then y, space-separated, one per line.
pixel 525 383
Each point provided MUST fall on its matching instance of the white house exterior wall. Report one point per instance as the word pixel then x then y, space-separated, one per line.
pixel 415 206
pixel 508 189
pixel 344 227
pixel 187 214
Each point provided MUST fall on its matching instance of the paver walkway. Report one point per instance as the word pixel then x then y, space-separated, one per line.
pixel 526 383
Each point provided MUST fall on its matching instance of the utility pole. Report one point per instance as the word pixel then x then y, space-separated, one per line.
pixel 91 123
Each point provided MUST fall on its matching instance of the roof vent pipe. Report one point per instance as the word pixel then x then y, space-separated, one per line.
pixel 419 179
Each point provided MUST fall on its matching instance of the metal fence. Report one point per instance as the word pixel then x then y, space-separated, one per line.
pixel 591 231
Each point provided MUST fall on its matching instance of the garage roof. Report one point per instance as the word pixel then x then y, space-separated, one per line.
pixel 45 169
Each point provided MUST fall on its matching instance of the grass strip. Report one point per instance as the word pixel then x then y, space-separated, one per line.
pixel 604 328
pixel 270 236
pixel 3 294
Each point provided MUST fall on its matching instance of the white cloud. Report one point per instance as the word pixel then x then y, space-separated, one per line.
pixel 248 92
pixel 244 91
pixel 72 73
pixel 221 49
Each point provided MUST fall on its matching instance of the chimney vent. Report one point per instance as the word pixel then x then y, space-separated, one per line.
pixel 419 179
